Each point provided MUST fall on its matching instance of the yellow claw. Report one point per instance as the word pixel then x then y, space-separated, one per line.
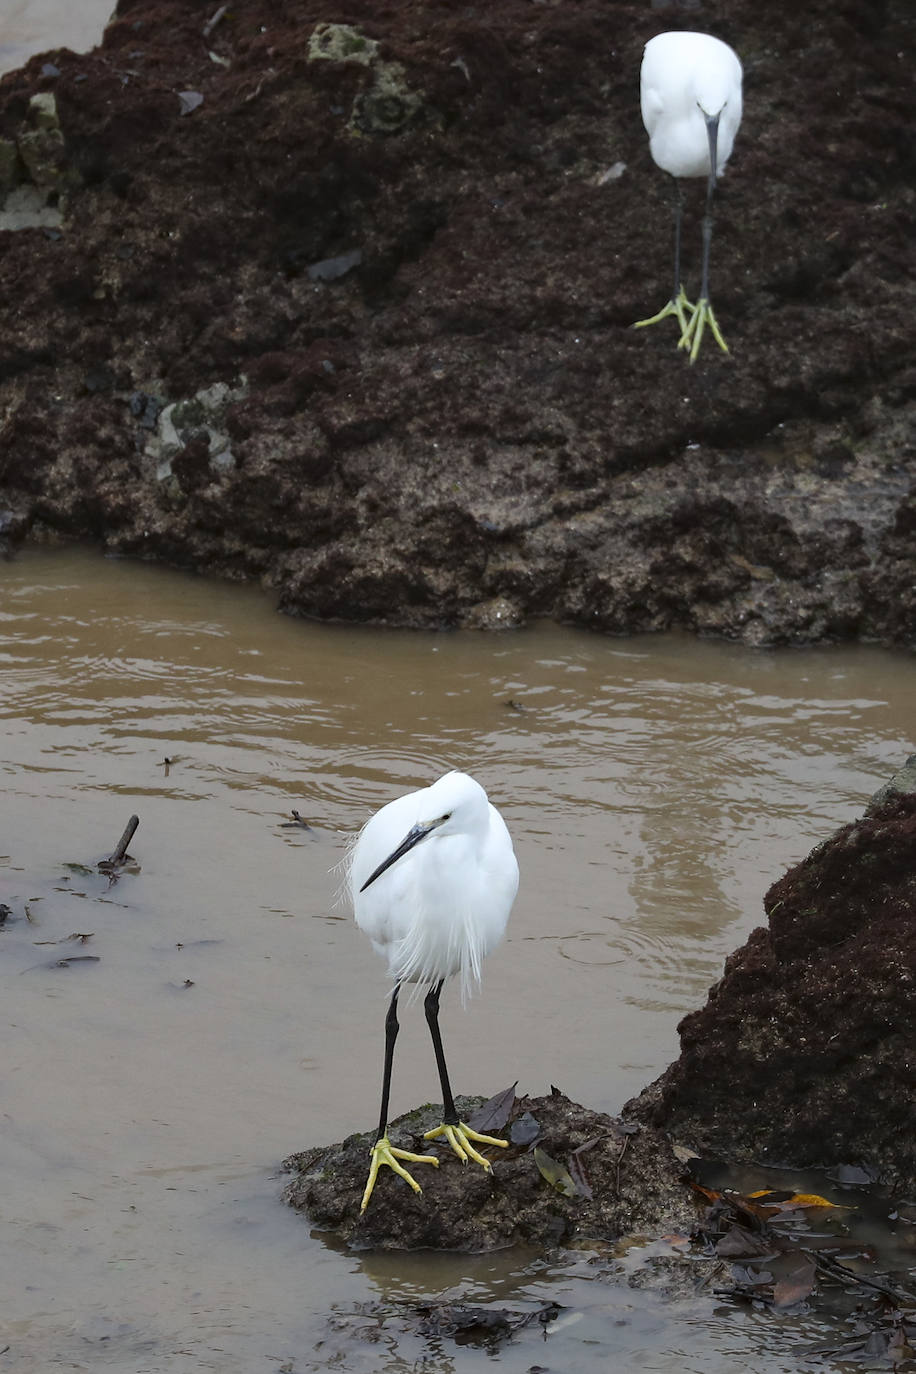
pixel 678 306
pixel 693 330
pixel 383 1152
pixel 460 1137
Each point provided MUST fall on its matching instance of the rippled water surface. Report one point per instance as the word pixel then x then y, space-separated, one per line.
pixel 233 1013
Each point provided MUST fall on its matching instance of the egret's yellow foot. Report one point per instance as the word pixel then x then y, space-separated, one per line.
pixel 460 1137
pixel 383 1152
pixel 693 331
pixel 679 306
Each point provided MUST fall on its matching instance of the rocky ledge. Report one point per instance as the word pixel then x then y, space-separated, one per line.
pixel 805 1053
pixel 341 300
pixel 567 1172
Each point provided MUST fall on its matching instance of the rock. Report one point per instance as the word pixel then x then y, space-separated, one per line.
pixel 194 427
pixel 341 43
pixel 803 1055
pixel 26 207
pixel 10 167
pixel 41 143
pixel 631 1177
pixel 468 418
pixel 43 111
pixel 497 614
pixel 389 104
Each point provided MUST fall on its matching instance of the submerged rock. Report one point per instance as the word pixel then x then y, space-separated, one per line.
pixel 805 1053
pixel 609 1179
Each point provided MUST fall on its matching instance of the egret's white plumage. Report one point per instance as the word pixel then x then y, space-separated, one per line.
pixel 443 906
pixel 691 101
pixel 433 877
pixel 686 79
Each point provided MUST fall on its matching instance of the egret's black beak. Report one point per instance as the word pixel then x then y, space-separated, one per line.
pixel 712 133
pixel 414 836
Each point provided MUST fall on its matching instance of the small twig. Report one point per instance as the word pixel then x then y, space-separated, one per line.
pixel 833 1268
pixel 120 850
pixel 119 855
pixel 623 1150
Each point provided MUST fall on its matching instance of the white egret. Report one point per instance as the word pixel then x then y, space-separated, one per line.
pixel 432 877
pixel 690 94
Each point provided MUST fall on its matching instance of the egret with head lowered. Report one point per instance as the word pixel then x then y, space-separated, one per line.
pixel 690 93
pixel 433 877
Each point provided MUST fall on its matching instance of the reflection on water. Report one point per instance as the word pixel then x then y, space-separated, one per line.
pixel 654 788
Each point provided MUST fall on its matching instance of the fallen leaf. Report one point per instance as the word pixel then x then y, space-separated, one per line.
pixel 494 1114
pixel 852 1175
pixel 790 1202
pixel 739 1243
pixel 557 1175
pixel 525 1130
pixel 795 1286
pixel 66 962
pixel 189 101
pixel 579 1177
pixel 678 1241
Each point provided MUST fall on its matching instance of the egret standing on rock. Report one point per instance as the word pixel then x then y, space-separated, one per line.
pixel 690 93
pixel 433 877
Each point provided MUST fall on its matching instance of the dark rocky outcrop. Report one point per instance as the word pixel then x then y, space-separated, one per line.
pixel 618 1180
pixel 341 300
pixel 804 1053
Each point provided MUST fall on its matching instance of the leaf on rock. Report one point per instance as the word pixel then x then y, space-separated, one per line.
pixel 493 1115
pixel 557 1175
pixel 189 101
pixel 579 1177
pixel 525 1130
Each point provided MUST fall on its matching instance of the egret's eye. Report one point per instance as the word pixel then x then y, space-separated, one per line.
pixel 447 816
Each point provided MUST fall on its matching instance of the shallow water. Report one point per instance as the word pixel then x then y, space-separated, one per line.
pixel 654 789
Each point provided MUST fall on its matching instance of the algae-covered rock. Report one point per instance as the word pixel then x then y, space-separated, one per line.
pixel 341 43
pixel 568 1171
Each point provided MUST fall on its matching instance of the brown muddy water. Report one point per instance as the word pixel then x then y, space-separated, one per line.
pixel 233 1013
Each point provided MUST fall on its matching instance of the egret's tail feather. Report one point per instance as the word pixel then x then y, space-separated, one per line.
pixel 418 958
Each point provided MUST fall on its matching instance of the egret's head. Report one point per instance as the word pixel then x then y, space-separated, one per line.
pixel 456 804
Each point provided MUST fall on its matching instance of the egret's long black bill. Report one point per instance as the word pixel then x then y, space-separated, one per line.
pixel 712 133
pixel 413 836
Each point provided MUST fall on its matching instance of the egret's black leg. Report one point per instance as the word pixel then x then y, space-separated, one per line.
pixel 678 305
pixel 678 216
pixel 712 131
pixel 431 1007
pixel 703 314
pixel 391 1034
pixel 458 1135
pixel 383 1152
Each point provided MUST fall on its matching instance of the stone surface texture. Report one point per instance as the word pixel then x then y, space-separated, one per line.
pixel 405 241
